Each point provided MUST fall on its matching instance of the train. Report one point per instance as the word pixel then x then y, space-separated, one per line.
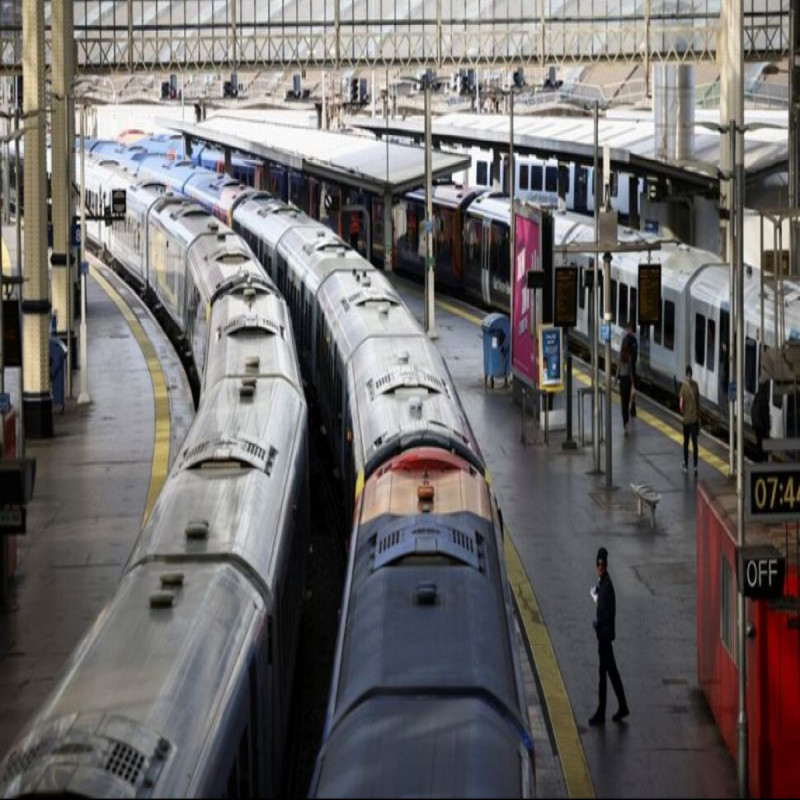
pixel 426 543
pixel 471 250
pixel 427 639
pixel 181 687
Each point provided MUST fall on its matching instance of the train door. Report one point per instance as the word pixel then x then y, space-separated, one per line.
pixel 472 259
pixel 486 254
pixel 704 340
pixel 722 361
pixel 579 189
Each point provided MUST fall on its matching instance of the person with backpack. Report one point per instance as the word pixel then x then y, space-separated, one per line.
pixel 689 402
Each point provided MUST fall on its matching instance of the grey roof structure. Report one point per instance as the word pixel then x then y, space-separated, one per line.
pixel 350 160
pixel 629 134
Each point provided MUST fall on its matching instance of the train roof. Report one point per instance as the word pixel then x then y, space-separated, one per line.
pixel 181 656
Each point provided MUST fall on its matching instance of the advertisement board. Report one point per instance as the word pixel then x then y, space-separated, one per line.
pixel 526 304
pixel 551 358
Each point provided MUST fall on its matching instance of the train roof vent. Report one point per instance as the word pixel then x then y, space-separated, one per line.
pixel 19 762
pixel 251 322
pixel 367 294
pixel 405 377
pixel 232 257
pixel 230 450
pixel 409 545
pixel 190 211
pixel 125 762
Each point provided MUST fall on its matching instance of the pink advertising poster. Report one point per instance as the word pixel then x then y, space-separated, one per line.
pixel 525 314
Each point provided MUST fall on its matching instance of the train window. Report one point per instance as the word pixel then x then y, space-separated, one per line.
pixel 711 345
pixel 481 174
pixel 623 305
pixel 524 175
pixel 633 311
pixel 750 365
pixel 669 325
pixel 551 179
pixel 699 339
pixel 614 301
pixel 536 178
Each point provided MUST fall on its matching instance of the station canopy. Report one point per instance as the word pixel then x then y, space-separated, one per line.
pixel 360 161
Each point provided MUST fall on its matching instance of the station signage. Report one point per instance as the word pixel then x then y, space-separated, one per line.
pixel 551 358
pixel 761 573
pixel 565 313
pixel 12 337
pixel 649 294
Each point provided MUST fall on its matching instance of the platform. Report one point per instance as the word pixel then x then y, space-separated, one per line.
pixel 558 515
pixel 95 480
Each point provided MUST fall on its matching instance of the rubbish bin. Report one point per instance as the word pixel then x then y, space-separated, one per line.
pixel 58 372
pixel 496 345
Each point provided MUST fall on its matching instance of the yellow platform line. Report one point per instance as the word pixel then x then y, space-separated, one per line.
pixel 5 259
pixel 556 700
pixel 160 467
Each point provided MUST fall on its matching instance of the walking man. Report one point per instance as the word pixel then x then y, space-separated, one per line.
pixel 633 349
pixel 603 594
pixel 690 410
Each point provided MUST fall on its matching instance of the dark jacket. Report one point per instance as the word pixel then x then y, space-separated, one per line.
pixel 633 348
pixel 606 610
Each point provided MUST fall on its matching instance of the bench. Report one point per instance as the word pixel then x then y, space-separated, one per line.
pixel 646 494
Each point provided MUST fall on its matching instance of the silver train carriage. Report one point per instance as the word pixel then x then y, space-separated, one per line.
pixel 181 687
pixel 380 384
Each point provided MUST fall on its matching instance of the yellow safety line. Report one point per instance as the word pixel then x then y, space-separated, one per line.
pixel 565 731
pixel 5 259
pixel 667 430
pixel 158 472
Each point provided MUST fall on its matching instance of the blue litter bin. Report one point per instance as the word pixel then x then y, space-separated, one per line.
pixel 58 369
pixel 496 347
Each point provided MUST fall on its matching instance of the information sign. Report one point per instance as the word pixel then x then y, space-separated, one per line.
pixel 5 403
pixel 551 358
pixel 649 294
pixel 566 297
pixel 605 333
pixel 12 340
pixel 762 572
pixel 119 203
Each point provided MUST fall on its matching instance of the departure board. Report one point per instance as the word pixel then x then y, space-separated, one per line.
pixel 566 297
pixel 649 294
pixel 12 343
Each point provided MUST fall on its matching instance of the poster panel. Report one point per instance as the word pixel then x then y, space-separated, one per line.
pixel 525 311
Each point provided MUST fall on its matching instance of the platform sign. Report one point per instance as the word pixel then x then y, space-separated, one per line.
pixel 5 403
pixel 551 358
pixel 76 235
pixel 649 294
pixel 119 203
pixel 565 311
pixel 605 333
pixel 773 492
pixel 762 572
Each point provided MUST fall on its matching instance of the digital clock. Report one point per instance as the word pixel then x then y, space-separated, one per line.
pixel 773 492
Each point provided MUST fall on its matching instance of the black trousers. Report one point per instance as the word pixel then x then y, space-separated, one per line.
pixel 625 396
pixel 693 429
pixel 608 666
pixel 633 384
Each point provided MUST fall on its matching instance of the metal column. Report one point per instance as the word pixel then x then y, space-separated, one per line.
pixel 62 147
pixel 37 400
pixel 430 303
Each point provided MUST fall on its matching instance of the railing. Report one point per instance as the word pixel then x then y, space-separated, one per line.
pixel 114 42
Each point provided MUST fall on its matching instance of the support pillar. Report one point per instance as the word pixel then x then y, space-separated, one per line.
pixel 388 233
pixel 62 149
pixel 37 400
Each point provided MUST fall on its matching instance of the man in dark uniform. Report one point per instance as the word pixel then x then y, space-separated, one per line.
pixel 605 598
pixel 633 349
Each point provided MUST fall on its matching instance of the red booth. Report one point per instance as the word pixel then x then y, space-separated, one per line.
pixel 773 642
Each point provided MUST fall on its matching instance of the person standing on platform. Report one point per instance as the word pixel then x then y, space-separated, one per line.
pixel 625 382
pixel 604 627
pixel 633 348
pixel 690 410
